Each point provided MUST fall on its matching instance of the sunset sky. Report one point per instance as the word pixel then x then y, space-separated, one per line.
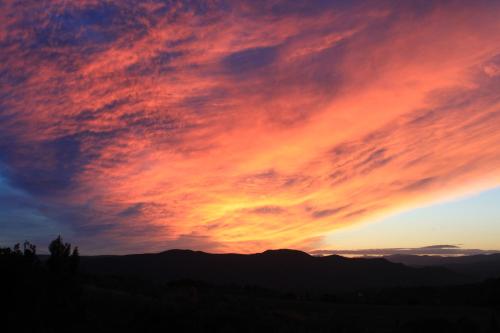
pixel 238 126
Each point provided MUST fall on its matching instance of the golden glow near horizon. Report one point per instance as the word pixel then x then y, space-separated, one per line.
pixel 242 127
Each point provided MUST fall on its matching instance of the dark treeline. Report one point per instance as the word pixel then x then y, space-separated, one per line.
pixel 51 294
pixel 36 295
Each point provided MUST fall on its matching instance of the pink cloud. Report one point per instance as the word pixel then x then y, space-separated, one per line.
pixel 245 128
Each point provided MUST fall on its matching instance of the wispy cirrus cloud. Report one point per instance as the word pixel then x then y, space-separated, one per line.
pixel 244 125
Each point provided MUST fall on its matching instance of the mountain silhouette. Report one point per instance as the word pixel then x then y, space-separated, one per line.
pixel 282 269
pixel 274 291
pixel 479 266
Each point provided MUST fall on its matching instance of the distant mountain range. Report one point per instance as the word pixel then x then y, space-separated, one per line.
pixel 480 266
pixel 289 270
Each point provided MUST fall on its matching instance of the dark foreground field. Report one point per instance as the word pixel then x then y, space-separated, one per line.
pixel 56 296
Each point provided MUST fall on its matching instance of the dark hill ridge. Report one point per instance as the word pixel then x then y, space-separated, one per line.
pixel 427 260
pixel 480 266
pixel 278 269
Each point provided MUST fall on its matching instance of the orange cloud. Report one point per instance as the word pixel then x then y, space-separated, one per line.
pixel 242 127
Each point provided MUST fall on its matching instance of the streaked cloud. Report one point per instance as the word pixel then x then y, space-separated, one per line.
pixel 244 125
pixel 442 250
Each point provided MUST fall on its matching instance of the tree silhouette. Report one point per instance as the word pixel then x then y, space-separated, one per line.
pixel 17 249
pixel 60 260
pixel 74 260
pixel 5 251
pixel 14 255
pixel 29 249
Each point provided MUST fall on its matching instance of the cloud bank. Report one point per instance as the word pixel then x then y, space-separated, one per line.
pixel 433 250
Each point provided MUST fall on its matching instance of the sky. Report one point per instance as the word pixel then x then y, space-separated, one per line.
pixel 239 126
pixel 469 225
